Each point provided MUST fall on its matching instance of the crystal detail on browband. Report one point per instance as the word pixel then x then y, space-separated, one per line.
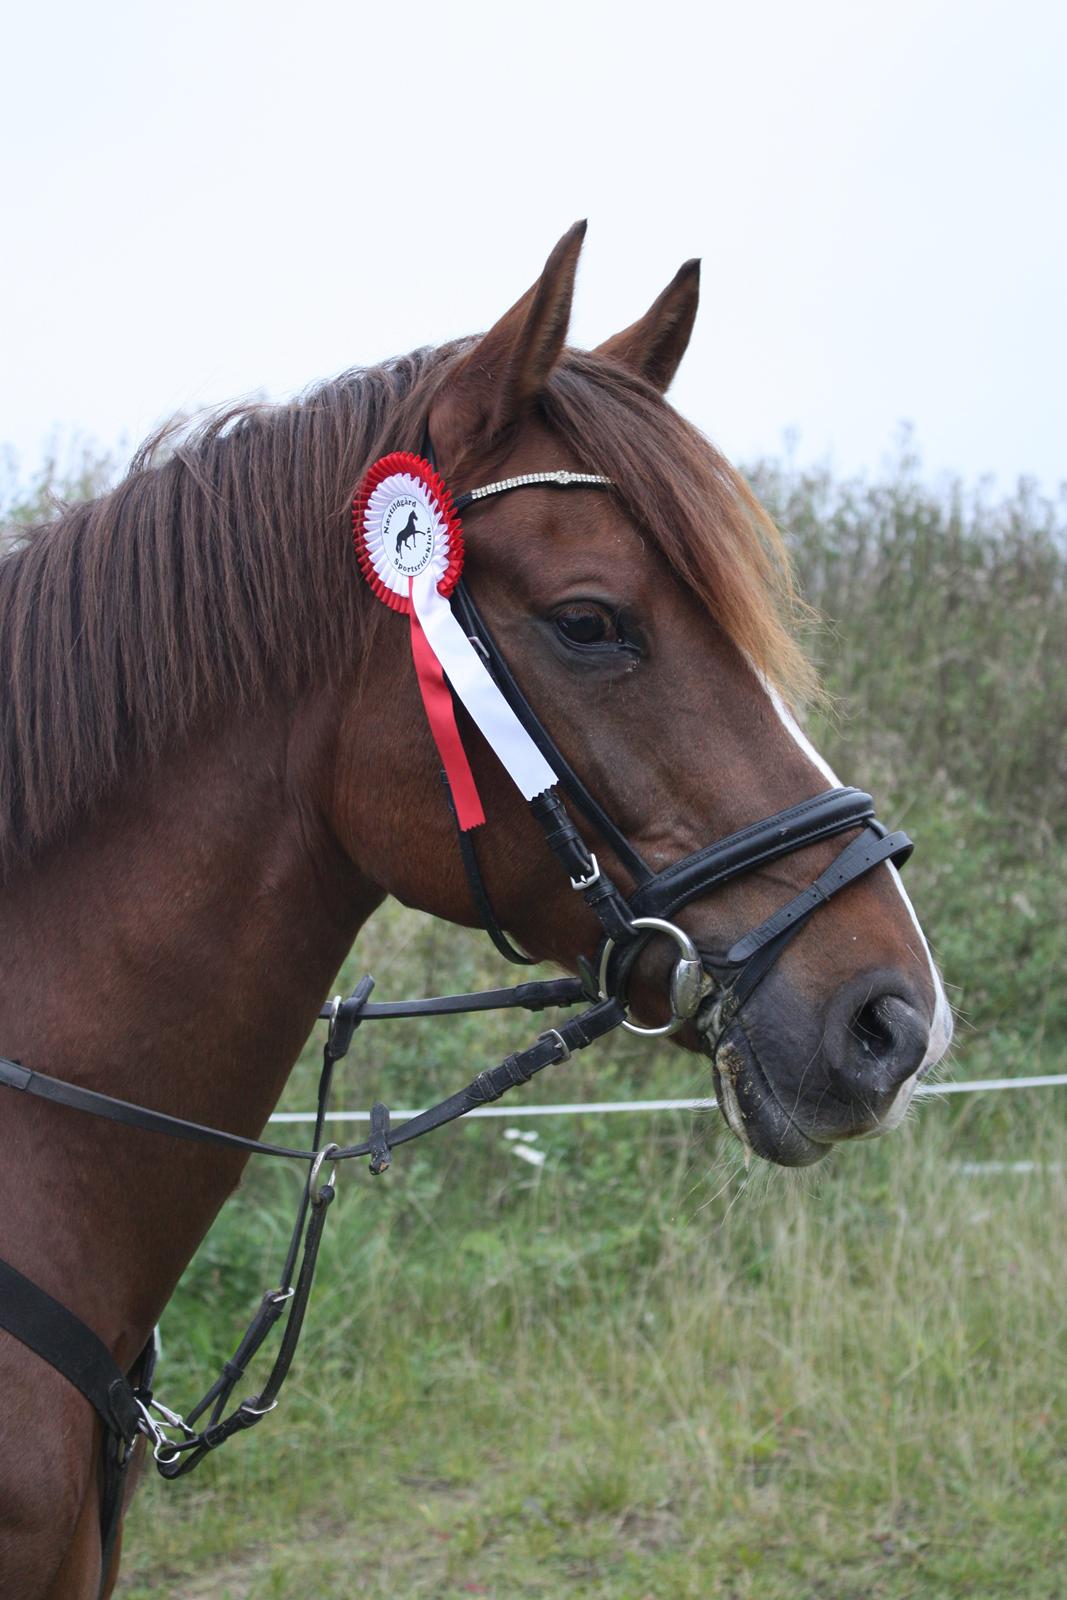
pixel 564 478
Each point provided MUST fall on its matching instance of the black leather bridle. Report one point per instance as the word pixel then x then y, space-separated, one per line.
pixel 629 922
pixel 124 1400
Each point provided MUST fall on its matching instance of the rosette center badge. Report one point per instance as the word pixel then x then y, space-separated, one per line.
pixel 408 535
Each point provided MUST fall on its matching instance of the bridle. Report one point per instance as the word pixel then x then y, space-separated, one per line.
pixel 721 985
pixel 629 922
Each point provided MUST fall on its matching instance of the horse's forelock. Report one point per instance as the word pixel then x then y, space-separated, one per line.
pixel 693 504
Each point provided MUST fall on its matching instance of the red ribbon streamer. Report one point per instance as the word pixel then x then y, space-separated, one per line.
pixel 441 715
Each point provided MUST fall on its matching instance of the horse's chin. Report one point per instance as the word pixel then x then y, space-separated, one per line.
pixel 752 1110
pixel 755 1113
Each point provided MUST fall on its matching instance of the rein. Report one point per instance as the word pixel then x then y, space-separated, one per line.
pixel 716 986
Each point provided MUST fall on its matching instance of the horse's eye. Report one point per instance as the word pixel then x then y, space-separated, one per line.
pixel 584 626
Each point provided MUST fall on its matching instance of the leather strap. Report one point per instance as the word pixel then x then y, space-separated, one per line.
pixel 868 851
pixel 187 1453
pixel 747 963
pixel 824 815
pixel 585 873
pixel 470 620
pixel 75 1098
pixel 554 1046
pixel 533 996
pixel 64 1341
pixel 468 854
pixel 55 1334
pixel 529 996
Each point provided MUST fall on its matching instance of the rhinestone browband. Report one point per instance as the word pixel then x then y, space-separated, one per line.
pixel 563 478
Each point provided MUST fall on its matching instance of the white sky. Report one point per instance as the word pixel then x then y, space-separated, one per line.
pixel 202 201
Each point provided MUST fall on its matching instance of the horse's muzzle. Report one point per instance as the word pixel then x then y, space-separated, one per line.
pixel 793 1080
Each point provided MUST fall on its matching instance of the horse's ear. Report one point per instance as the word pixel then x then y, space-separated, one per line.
pixel 501 377
pixel 655 344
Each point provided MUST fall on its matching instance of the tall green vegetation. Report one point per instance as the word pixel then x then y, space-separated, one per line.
pixel 945 647
pixel 947 638
pixel 637 1371
pixel 77 471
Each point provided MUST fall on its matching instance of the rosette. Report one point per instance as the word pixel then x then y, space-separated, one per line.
pixel 409 542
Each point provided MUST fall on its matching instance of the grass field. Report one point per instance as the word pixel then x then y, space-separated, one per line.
pixel 640 1370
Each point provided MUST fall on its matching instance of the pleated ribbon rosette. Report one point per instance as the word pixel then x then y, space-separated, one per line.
pixel 409 542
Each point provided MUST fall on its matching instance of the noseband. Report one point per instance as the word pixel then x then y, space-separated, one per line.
pixel 630 921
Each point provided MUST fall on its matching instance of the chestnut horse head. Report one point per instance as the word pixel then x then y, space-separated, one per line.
pixel 215 763
pixel 649 630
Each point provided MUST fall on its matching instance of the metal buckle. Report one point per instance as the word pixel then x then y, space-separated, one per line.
pixel 684 993
pixel 591 877
pixel 554 1033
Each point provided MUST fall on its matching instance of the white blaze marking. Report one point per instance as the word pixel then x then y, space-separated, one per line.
pixel 941 1025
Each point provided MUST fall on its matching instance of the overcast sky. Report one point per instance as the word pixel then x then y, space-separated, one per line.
pixel 202 201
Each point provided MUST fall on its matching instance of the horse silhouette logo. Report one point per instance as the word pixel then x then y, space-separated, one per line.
pixel 406 536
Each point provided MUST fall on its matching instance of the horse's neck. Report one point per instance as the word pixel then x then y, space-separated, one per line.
pixel 175 953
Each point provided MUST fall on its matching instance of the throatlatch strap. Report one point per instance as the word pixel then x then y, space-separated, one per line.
pixel 479 893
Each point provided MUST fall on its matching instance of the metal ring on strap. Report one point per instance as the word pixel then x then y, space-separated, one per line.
pixel 687 964
pixel 327 1153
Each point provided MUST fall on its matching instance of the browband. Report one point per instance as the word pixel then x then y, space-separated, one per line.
pixel 561 479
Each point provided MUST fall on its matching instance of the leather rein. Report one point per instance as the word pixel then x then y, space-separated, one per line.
pixel 722 984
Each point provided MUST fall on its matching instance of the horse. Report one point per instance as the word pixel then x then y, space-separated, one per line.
pixel 214 766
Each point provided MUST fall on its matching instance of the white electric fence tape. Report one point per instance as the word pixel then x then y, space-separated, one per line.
pixel 600 1108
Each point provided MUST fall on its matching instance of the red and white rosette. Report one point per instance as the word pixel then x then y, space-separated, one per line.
pixel 410 547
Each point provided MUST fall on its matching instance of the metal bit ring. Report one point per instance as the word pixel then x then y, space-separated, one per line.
pixel 687 961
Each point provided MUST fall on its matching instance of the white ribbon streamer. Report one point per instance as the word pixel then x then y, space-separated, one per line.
pixel 467 673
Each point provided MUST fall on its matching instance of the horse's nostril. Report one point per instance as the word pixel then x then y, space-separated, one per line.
pixel 873 1027
pixel 881 1045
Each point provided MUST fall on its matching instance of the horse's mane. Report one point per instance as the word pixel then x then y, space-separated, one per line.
pixel 221 570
